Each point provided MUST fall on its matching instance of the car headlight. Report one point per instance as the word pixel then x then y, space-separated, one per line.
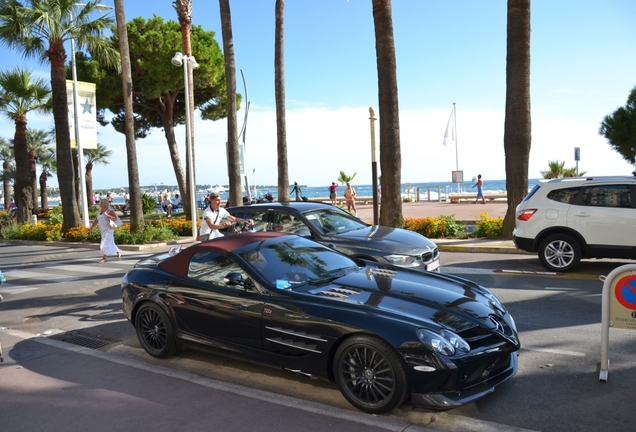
pixel 399 259
pixel 444 342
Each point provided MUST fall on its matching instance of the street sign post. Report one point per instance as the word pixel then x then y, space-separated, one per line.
pixel 618 308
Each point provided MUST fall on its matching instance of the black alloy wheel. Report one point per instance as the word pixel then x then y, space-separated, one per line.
pixel 370 374
pixel 559 253
pixel 155 331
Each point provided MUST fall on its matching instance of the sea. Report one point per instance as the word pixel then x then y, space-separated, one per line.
pixel 437 190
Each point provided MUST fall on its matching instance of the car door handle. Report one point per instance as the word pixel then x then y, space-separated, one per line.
pixel 582 214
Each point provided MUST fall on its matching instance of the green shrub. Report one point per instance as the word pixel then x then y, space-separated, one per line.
pixel 437 227
pixel 488 226
pixel 148 203
pixel 10 230
pixel 55 215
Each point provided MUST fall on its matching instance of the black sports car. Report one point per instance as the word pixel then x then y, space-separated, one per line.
pixel 382 333
pixel 337 229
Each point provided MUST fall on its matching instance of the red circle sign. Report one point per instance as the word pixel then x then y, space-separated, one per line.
pixel 625 292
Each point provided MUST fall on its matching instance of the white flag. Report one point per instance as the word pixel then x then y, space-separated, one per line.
pixel 450 128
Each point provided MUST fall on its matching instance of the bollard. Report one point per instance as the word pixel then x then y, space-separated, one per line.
pixel 439 193
pixel 34 219
pixel 417 194
pixel 429 194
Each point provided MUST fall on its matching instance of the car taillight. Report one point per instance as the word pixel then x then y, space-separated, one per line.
pixel 526 214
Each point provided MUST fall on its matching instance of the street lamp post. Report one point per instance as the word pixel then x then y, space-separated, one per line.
pixel 178 60
pixel 78 143
pixel 374 169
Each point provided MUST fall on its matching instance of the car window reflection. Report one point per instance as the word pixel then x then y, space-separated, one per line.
pixel 212 267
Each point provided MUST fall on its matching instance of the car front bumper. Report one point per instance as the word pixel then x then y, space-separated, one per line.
pixel 454 399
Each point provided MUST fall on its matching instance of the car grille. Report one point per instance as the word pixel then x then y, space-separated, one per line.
pixel 430 256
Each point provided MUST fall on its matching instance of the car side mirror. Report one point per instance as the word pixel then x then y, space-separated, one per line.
pixel 303 232
pixel 234 278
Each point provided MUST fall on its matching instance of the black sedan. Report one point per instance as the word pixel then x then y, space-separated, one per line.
pixel 337 229
pixel 382 333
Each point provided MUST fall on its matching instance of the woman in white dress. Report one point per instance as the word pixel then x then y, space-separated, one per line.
pixel 107 245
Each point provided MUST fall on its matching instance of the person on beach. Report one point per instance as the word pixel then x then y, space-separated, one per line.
pixel 107 244
pixel 298 191
pixel 350 197
pixel 480 190
pixel 333 194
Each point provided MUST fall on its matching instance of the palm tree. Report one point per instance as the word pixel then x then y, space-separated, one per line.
pixel 136 209
pixel 49 167
pixel 233 168
pixel 6 156
pixel 344 178
pixel 21 94
pixel 555 170
pixel 38 143
pixel 517 125
pixel 40 28
pixel 279 80
pixel 99 155
pixel 390 152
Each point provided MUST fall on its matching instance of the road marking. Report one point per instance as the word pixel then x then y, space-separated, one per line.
pixel 553 351
pixel 87 269
pixel 560 289
pixel 11 289
pixel 532 272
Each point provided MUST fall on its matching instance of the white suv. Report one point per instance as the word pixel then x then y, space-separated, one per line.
pixel 567 219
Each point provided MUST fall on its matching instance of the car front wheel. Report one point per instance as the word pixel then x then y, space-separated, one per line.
pixel 560 253
pixel 155 331
pixel 370 375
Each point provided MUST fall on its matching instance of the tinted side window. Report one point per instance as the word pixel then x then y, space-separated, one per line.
pixel 259 217
pixel 286 222
pixel 607 196
pixel 212 267
pixel 565 196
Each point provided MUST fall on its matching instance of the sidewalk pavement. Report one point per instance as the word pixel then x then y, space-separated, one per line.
pixel 55 386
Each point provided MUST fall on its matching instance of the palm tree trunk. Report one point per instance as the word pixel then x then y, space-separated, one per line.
pixel 65 172
pixel 43 195
pixel 6 185
pixel 135 208
pixel 22 188
pixel 168 127
pixel 88 176
pixel 33 179
pixel 390 152
pixel 281 128
pixel 517 125
pixel 233 167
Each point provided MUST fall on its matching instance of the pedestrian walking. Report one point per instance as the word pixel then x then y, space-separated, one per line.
pixel 298 191
pixel 480 190
pixel 333 194
pixel 350 197
pixel 107 244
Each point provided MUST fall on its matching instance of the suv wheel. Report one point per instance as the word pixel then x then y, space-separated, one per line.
pixel 559 252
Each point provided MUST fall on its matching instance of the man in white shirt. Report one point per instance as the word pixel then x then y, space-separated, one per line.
pixel 216 217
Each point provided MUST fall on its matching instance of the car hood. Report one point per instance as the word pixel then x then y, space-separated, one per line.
pixel 446 300
pixel 394 240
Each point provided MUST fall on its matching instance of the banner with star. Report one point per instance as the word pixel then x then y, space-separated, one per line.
pixel 87 114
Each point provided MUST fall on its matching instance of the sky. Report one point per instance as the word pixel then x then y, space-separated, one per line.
pixel 449 53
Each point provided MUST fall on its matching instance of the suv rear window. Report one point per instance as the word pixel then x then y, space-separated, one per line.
pixel 565 196
pixel 607 196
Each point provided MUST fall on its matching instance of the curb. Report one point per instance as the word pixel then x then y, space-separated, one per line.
pixel 481 249
pixel 86 245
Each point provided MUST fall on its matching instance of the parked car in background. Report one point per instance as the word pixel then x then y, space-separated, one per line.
pixel 380 332
pixel 339 230
pixel 565 220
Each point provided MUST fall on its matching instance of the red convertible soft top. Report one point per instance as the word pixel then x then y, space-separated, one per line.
pixel 179 263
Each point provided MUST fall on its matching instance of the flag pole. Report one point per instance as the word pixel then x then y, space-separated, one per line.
pixel 456 153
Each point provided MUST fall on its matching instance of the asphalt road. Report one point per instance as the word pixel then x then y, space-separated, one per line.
pixel 64 295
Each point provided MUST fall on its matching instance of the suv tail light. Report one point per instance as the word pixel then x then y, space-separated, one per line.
pixel 526 214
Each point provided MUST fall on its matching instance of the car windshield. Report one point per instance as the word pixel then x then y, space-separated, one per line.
pixel 292 261
pixel 333 221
